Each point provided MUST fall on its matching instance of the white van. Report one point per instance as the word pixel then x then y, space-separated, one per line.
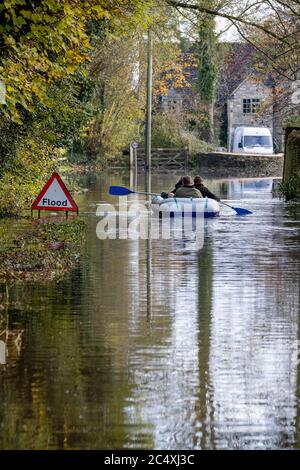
pixel 253 140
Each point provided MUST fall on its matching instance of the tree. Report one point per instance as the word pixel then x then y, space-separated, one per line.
pixel 117 113
pixel 206 53
pixel 119 70
pixel 271 26
pixel 48 41
pixel 45 50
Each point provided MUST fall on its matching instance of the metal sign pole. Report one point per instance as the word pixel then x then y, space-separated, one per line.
pixel 134 148
pixel 136 168
pixel 149 104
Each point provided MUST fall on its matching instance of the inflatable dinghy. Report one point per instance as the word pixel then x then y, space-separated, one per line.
pixel 180 206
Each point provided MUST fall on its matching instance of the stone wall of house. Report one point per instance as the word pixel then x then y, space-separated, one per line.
pixel 173 101
pixel 236 116
pixel 292 154
pixel 223 164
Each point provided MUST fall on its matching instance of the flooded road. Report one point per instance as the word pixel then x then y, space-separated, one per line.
pixel 164 348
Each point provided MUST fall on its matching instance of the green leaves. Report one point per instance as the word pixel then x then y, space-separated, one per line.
pixel 47 42
pixel 45 52
pixel 207 61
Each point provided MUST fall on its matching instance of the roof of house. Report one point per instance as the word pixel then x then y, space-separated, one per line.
pixel 238 63
pixel 268 83
pixel 238 60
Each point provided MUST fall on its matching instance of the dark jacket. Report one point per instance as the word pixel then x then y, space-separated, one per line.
pixel 206 192
pixel 177 186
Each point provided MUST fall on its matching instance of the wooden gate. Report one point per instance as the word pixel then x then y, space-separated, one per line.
pixel 164 159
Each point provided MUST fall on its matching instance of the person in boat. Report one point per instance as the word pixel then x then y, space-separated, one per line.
pixel 178 185
pixel 198 184
pixel 187 189
pixel 171 193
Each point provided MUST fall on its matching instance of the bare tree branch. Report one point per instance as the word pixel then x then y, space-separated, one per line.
pixel 277 69
pixel 219 13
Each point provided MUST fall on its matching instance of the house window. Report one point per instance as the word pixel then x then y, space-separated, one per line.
pixel 255 106
pixel 251 105
pixel 246 106
pixel 173 105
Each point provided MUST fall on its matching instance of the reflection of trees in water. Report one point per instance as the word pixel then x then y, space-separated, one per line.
pixel 10 335
pixel 31 398
pixel 253 332
pixel 297 357
pixel 67 394
pixel 204 436
pixel 68 385
pixel 165 354
pixel 94 373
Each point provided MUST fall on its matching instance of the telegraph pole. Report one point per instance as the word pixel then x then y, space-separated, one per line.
pixel 149 104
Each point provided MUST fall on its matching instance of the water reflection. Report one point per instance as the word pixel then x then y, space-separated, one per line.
pixel 157 344
pixel 254 332
pixel 244 187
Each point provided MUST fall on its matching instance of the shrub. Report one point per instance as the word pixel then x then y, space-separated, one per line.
pixel 291 188
pixel 170 131
pixel 22 177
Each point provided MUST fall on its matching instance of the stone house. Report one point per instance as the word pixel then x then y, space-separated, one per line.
pixel 172 102
pixel 241 98
pixel 250 104
pixel 254 103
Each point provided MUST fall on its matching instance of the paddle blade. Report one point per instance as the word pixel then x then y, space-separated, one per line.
pixel 241 211
pixel 119 191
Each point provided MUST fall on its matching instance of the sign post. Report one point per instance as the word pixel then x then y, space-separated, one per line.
pixel 55 196
pixel 149 103
pixel 135 146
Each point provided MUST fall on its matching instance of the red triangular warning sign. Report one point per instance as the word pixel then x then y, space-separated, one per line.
pixel 55 196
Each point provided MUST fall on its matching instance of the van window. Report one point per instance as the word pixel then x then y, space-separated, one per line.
pixel 257 141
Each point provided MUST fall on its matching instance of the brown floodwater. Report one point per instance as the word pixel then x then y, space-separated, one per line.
pixel 161 345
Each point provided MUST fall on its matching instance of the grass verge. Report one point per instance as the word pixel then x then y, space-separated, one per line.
pixel 46 251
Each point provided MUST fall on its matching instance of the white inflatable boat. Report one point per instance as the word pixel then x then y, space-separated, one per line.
pixel 185 207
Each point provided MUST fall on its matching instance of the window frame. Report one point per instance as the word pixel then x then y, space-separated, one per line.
pixel 247 106
pixel 251 105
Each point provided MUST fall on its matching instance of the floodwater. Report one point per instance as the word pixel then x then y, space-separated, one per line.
pixel 161 345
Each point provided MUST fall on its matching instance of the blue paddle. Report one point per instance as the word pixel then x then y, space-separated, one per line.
pixel 238 210
pixel 120 191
